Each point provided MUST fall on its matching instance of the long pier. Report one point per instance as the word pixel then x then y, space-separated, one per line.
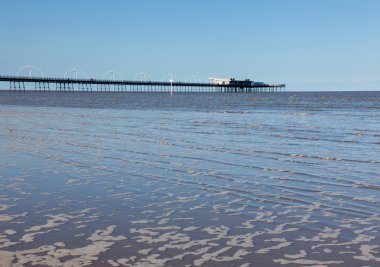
pixel 22 84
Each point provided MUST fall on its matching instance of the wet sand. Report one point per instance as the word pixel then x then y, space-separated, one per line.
pixel 108 187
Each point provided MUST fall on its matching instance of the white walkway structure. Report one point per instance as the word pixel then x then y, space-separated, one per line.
pixel 219 81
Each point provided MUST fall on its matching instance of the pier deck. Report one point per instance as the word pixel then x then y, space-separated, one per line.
pixel 19 83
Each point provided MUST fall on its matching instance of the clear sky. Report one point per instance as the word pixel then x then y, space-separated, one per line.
pixel 307 44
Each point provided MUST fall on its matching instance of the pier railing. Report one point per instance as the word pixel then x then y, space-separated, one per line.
pixel 21 83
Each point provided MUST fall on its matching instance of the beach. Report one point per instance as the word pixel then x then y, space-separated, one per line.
pixel 124 179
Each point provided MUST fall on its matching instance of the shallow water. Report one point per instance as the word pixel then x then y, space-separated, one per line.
pixel 124 179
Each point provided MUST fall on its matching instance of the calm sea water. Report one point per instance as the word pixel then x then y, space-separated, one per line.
pixel 148 179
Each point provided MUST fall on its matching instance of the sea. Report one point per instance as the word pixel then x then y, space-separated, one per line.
pixel 190 179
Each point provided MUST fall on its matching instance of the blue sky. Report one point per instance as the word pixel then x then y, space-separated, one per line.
pixel 310 45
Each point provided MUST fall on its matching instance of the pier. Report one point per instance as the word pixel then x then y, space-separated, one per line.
pixel 46 84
